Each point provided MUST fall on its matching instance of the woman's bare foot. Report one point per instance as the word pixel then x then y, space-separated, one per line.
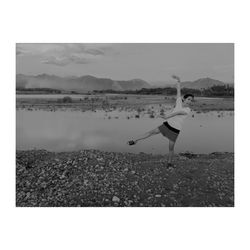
pixel 130 143
pixel 170 165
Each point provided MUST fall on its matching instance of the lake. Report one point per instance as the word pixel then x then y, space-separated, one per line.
pixel 109 131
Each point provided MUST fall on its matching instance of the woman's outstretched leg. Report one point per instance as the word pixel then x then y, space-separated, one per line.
pixel 171 151
pixel 144 136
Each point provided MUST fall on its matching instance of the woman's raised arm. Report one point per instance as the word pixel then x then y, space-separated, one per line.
pixel 177 78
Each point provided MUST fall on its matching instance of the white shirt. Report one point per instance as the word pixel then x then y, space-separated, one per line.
pixel 176 121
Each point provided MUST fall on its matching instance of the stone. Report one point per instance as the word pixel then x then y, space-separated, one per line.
pixel 115 199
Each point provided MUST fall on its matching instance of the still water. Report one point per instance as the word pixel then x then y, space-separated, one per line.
pixel 74 130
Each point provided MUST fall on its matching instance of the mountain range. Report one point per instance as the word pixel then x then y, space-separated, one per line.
pixel 197 84
pixel 202 83
pixel 83 83
pixel 90 83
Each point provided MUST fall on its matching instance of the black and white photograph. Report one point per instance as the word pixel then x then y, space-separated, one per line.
pixel 125 124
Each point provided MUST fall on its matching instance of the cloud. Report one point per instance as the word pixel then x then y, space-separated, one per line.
pixel 81 59
pixel 94 52
pixel 62 61
pixel 56 61
pixel 18 52
pixel 62 54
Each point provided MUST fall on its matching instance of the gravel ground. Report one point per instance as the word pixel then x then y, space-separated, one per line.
pixel 93 178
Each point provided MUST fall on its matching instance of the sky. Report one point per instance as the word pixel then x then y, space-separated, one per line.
pixel 151 62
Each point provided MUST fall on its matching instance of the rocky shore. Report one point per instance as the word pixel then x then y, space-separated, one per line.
pixel 93 178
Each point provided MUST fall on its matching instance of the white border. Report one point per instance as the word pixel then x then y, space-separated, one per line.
pixel 124 21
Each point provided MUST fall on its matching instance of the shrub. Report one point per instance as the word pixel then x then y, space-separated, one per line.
pixel 67 99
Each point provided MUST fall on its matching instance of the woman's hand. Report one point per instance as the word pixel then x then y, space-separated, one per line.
pixel 176 78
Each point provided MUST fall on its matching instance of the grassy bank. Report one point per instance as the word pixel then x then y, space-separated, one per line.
pixel 97 178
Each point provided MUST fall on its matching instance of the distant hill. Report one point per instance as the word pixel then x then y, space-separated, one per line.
pixel 202 83
pixel 162 84
pixel 198 84
pixel 81 84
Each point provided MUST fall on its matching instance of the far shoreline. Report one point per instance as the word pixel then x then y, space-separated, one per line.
pixel 114 101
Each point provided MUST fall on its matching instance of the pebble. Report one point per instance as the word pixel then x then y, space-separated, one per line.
pixel 85 182
pixel 115 199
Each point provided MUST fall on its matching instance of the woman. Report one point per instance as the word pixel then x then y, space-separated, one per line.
pixel 172 126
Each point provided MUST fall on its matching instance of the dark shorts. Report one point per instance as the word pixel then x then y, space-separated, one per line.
pixel 168 131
